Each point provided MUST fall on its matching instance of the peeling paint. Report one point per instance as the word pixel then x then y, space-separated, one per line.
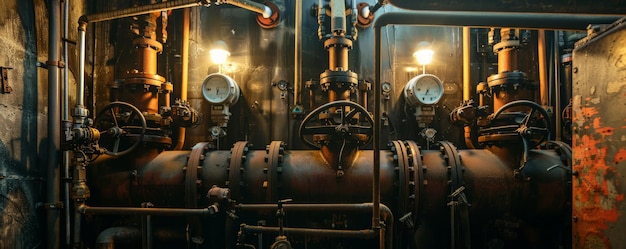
pixel 615 86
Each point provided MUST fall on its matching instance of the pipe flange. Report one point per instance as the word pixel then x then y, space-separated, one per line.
pixel 274 158
pixel 338 41
pixel 148 43
pixel 338 80
pixel 193 169
pixel 235 170
pixel 273 20
pixel 505 79
pixel 363 22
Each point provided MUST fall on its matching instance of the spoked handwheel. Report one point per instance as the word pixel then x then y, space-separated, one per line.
pixel 339 123
pixel 119 124
pixel 534 124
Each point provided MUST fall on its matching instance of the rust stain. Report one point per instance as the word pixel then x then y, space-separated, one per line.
pixel 595 192
pixel 620 156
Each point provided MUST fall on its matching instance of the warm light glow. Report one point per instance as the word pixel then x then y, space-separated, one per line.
pixel 424 56
pixel 219 52
pixel 219 56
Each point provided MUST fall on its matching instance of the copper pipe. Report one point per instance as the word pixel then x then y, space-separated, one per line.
pixel 180 141
pixel 543 76
pixel 467 87
pixel 332 233
pixel 145 211
pixel 140 10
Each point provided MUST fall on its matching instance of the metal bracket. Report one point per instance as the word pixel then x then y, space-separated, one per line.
pixel 58 205
pixel 6 88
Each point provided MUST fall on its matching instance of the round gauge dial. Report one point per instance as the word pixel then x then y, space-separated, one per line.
pixel 220 89
pixel 425 89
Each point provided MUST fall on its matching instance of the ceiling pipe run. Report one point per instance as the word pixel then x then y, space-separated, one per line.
pixel 461 18
pixel 259 8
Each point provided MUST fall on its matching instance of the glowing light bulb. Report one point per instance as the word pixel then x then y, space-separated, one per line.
pixel 219 52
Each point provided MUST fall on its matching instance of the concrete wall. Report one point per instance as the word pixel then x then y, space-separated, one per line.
pixel 23 120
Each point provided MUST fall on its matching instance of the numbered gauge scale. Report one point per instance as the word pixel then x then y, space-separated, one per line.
pixel 424 89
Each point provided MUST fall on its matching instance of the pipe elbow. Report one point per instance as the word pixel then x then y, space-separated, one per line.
pixel 267 12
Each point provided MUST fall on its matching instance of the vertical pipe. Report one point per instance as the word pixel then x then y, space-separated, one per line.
pixel 54 126
pixel 80 89
pixel 65 117
pixel 377 130
pixel 297 70
pixel 543 76
pixel 338 17
pixel 185 74
pixel 467 87
pixel 557 86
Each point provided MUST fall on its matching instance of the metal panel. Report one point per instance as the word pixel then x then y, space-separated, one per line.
pixel 599 140
pixel 552 6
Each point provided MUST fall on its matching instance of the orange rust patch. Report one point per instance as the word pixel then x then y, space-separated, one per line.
pixel 595 201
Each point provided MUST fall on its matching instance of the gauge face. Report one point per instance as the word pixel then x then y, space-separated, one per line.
pixel 425 89
pixel 220 89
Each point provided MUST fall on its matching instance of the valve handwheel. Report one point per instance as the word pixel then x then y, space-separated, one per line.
pixel 345 126
pixel 119 120
pixel 534 128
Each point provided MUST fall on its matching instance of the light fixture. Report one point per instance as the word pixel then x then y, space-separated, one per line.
pixel 424 54
pixel 219 52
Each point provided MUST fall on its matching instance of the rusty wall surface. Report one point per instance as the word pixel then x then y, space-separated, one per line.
pixel 22 120
pixel 599 141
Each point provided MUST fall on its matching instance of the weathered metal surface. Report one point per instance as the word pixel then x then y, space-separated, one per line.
pixel 542 6
pixel 599 140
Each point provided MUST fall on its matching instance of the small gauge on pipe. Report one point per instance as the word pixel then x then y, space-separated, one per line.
pixel 220 89
pixel 424 89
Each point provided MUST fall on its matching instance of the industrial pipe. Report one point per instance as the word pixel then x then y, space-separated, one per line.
pixel 106 239
pixel 361 207
pixel 502 19
pixel 332 233
pixel 297 55
pixel 557 86
pixel 467 85
pixel 65 118
pixel 180 141
pixel 543 76
pixel 262 9
pixel 139 10
pixel 53 181
pixel 146 211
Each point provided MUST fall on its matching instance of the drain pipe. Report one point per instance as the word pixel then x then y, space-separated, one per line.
pixel 184 75
pixel 54 127
pixel 66 119
pixel 259 8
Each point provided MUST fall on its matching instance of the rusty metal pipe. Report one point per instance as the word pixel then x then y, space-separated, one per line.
pixel 107 238
pixel 146 211
pixel 543 76
pixel 332 233
pixel 139 10
pixel 259 8
pixel 53 179
pixel 180 141
pixel 490 19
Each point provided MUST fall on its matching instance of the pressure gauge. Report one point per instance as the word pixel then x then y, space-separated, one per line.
pixel 220 89
pixel 424 89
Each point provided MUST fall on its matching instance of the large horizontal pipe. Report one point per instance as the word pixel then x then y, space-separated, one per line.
pixel 494 19
pixel 332 233
pixel 145 211
pixel 312 207
pixel 140 10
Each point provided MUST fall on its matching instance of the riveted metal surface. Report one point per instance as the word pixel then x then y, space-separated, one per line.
pixel 599 139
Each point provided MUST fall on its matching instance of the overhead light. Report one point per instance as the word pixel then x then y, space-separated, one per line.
pixel 424 54
pixel 219 52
